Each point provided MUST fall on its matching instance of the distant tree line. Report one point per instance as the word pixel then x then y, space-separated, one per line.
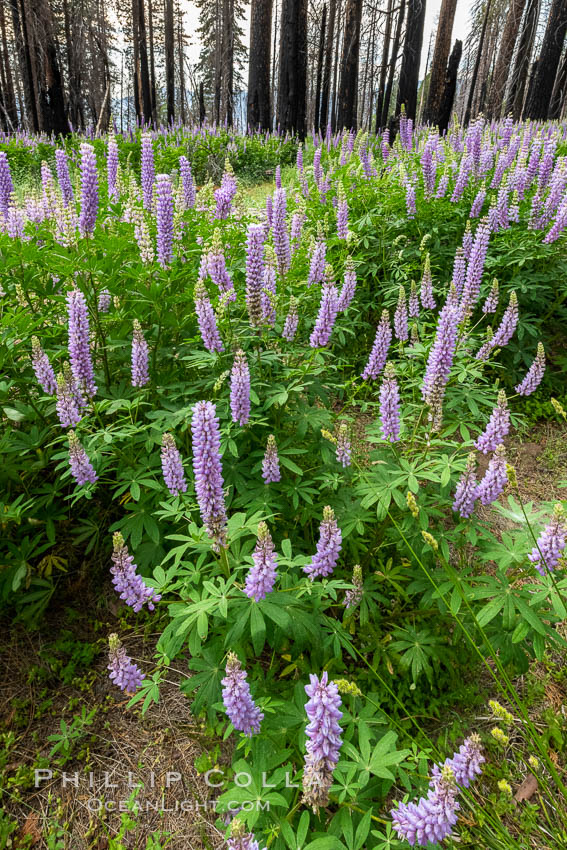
pixel 311 63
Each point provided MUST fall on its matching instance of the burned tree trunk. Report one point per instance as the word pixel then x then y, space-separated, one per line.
pixel 326 87
pixel 348 88
pixel 558 96
pixel 521 69
pixel 409 73
pixel 169 61
pixel 293 67
pixel 320 68
pixel 259 113
pixel 538 103
pixel 384 65
pixel 228 60
pixel 450 87
pixel 505 53
pixel 477 63
pixel 438 78
pixel 393 61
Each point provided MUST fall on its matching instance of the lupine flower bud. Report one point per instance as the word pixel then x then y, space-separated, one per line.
pixel 551 542
pixel 500 736
pixel 401 317
pixel 427 299
pixel 66 406
pixel 328 548
pixel 349 286
pixel 126 580
pixel 535 373
pixel 123 672
pixel 172 466
pixel 413 303
pixel 497 428
pixel 323 739
pixel 343 445
pixel 104 301
pixel 261 578
pixel 240 389
pixel 81 467
pixel 291 321
pixel 354 595
pixel 412 504
pixel 466 492
pixel 491 303
pixel 271 464
pixel 43 368
pixel 140 375
pixel 390 405
pixel 206 319
pixel 164 219
pixel 89 190
pixel 242 712
pixel 208 471
pixel 328 309
pixel 430 540
pixel 79 344
pixel 148 170
pixel 495 478
pixel 379 352
pixel 500 712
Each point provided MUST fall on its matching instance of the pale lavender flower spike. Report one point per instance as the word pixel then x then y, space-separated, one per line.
pixel 328 309
pixel 207 320
pixel 323 739
pixel 551 543
pixel 495 478
pixel 241 709
pixel 208 471
pixel 497 428
pixel 466 492
pixel 261 578
pixel 401 317
pixel 328 548
pixel 390 405
pixel 81 467
pixel 379 353
pixel 271 464
pixel 123 672
pixel 534 375
pixel 140 375
pixel 240 389
pixel 43 369
pixel 127 581
pixel 79 343
pixel 172 466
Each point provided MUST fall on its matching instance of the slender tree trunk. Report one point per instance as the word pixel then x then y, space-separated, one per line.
pixel 477 63
pixel 336 69
pixel 292 88
pixel 136 59
pixel 450 88
pixel 10 93
pixel 437 80
pixel 384 65
pixel 202 113
pixel 348 88
pixel 393 62
pixel 538 104
pixel 169 60
pixel 519 75
pixel 259 113
pixel 181 51
pixel 218 60
pixel 375 13
pixel 228 60
pixel 504 60
pixel 409 73
pixel 152 63
pixel 316 121
pixel 18 21
pixel 145 91
pixel 558 96
pixel 326 87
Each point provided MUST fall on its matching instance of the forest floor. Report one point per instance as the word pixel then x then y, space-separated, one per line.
pixel 57 674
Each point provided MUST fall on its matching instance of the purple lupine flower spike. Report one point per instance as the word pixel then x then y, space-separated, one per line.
pixel 291 321
pixel 240 839
pixel 62 168
pixel 208 471
pixel 269 288
pixel 66 406
pixel 123 672
pixel 127 581
pixel 534 375
pixel 551 543
pixel 6 184
pixel 164 219
pixel 413 301
pixel 440 360
pixel 401 317
pixel 89 190
pixel 270 463
pixel 325 558
pixel 240 389
pixel 328 309
pixel 343 445
pixel 342 213
pixel 505 330
pixel 279 230
pixel 254 273
pixel 112 168
pixel 241 709
pixel 491 303
pixel 79 343
pixel 353 597
pixel 81 467
pixel 43 369
pixel 324 740
pixel 465 764
pixel 140 374
pixel 497 428
pixel 172 466
pixel 475 267
pixel 262 576
pixel 349 286
pixel 206 320
pixel 148 170
pixel 104 301
pixel 432 818
pixel 226 193
pixel 317 266
pixel 379 353
pixel 495 478
pixel 216 267
pixel 426 293
pixel 466 492
pixel 390 405
pixel 187 182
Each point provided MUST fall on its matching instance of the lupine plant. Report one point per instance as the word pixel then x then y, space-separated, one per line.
pixel 229 407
